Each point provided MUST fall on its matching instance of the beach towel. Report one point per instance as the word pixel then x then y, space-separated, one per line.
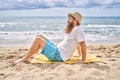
pixel 43 59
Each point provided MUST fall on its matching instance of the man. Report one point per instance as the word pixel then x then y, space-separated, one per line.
pixel 74 38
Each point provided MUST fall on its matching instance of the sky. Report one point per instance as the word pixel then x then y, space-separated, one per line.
pixel 59 7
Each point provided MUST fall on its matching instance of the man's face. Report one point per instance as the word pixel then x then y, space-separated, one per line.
pixel 70 20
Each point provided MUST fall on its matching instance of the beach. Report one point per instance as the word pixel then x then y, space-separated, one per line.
pixel 98 25
pixel 102 39
pixel 107 70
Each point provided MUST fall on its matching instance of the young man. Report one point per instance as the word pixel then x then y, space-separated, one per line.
pixel 74 38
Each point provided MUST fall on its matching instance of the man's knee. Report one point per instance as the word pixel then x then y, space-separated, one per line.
pixel 40 36
pixel 41 40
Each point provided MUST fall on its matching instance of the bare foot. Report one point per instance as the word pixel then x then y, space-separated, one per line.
pixel 20 60
pixel 14 62
pixel 80 61
pixel 11 63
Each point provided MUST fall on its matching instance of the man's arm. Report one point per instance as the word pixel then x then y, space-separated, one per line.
pixel 83 50
pixel 79 50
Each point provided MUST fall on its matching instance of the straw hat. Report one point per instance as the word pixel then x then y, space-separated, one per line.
pixel 76 15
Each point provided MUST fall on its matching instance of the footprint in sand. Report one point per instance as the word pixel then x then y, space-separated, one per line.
pixel 112 59
pixel 2 75
pixel 99 56
pixel 1 57
pixel 117 46
pixel 10 56
pixel 23 49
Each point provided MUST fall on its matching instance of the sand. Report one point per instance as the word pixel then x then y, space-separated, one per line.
pixel 109 70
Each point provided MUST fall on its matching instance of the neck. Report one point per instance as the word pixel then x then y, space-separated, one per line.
pixel 75 25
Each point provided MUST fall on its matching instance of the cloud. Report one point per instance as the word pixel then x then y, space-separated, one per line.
pixel 41 4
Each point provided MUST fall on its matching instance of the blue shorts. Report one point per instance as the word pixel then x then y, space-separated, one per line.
pixel 51 52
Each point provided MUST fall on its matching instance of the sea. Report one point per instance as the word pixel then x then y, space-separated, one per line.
pixel 21 30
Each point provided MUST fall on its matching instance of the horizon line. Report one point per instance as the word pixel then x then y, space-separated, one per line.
pixel 57 16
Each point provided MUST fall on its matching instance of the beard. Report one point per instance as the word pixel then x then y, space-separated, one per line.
pixel 69 24
pixel 69 27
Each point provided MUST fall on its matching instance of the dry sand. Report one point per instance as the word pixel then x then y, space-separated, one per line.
pixel 110 70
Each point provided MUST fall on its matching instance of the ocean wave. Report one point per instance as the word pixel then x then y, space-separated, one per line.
pixel 10 31
pixel 30 34
pixel 11 27
pixel 101 25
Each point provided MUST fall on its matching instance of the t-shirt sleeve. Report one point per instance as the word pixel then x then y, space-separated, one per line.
pixel 80 35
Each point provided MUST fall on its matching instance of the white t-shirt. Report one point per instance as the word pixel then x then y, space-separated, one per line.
pixel 70 43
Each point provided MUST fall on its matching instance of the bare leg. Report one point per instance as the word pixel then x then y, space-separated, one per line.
pixel 37 44
pixel 38 36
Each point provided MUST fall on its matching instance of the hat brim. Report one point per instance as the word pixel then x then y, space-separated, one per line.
pixel 71 14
